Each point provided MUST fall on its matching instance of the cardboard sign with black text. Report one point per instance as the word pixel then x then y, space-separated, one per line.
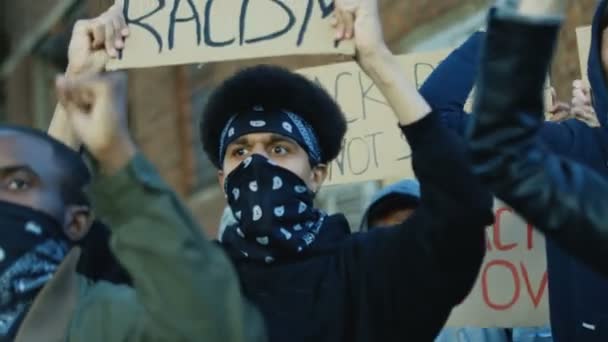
pixel 170 32
pixel 374 147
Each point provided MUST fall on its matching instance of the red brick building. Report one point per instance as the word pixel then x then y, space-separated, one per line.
pixel 165 102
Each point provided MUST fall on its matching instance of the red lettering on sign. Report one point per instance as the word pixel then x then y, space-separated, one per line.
pixel 536 298
pixel 485 287
pixel 497 240
pixel 530 230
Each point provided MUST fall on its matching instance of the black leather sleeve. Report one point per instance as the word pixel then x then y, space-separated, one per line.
pixel 566 200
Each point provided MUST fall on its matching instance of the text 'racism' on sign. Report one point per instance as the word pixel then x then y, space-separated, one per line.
pixel 169 32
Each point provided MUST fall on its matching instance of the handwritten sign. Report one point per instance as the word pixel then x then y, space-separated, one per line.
pixel 374 147
pixel 583 37
pixel 512 287
pixel 170 32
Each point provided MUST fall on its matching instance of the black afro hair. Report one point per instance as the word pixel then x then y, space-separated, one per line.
pixel 273 88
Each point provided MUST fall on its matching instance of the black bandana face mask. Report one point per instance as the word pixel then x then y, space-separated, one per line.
pixel 274 211
pixel 31 249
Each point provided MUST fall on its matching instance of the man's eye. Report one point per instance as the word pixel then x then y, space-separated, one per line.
pixel 280 150
pixel 18 184
pixel 239 152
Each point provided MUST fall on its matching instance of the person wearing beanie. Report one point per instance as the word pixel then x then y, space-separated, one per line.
pixel 392 205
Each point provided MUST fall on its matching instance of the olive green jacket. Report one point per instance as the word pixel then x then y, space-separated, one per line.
pixel 185 289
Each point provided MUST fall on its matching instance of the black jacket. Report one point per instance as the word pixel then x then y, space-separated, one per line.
pixel 389 284
pixel 566 200
pixel 577 294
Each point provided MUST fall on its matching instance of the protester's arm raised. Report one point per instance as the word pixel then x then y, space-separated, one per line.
pixel 92 44
pixel 449 85
pixel 186 285
pixel 417 272
pixel 359 19
pixel 564 199
pixel 403 97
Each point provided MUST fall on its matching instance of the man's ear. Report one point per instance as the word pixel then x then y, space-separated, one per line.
pixel 77 222
pixel 317 177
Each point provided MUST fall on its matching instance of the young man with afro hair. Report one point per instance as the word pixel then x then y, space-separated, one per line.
pixel 271 133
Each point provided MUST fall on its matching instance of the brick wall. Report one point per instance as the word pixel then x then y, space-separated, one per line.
pixel 18 19
pixel 24 14
pixel 18 88
pixel 566 64
pixel 154 119
pixel 402 17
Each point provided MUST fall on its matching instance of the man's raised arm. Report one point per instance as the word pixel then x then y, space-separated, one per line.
pixel 185 285
pixel 92 44
pixel 442 243
pixel 564 199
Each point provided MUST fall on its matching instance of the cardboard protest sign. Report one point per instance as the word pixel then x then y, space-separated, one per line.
pixel 583 37
pixel 170 32
pixel 374 147
pixel 512 287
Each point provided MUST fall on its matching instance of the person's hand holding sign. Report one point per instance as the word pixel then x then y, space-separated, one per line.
pixel 360 19
pixel 95 41
pixel 97 111
pixel 92 45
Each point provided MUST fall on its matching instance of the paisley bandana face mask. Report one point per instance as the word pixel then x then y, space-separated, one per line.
pixel 31 249
pixel 274 211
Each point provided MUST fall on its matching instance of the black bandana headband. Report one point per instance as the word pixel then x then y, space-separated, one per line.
pixel 281 122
